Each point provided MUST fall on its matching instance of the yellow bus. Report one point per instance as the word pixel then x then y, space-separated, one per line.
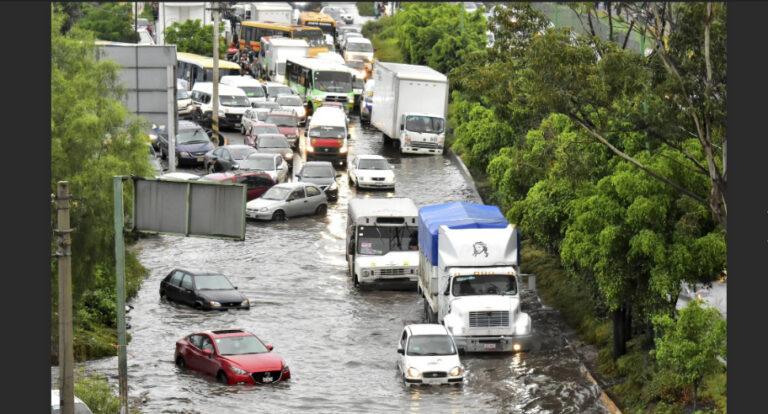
pixel 325 22
pixel 251 33
pixel 193 68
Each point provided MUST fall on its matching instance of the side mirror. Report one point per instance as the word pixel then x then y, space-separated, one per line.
pixel 402 127
pixel 401 351
pixel 270 348
pixel 298 176
pixel 236 167
pixel 235 287
pixel 208 353
pixel 447 292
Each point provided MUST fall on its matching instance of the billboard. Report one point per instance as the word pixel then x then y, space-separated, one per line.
pixel 189 208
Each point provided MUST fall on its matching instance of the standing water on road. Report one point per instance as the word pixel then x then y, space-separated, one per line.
pixel 340 343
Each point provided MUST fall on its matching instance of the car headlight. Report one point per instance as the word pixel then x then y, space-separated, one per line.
pixel 289 156
pixel 222 113
pixel 245 303
pixel 414 373
pixel 333 186
pixel 263 209
pixel 343 150
pixel 237 370
pixel 214 304
pixel 184 154
pixel 455 371
pixel 285 368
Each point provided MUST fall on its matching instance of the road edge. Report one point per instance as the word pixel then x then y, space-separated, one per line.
pixel 609 404
pixel 467 175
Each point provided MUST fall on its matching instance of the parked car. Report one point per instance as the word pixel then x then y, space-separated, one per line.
pixel 233 356
pixel 293 102
pixel 178 175
pixel 288 200
pixel 428 355
pixel 275 144
pixel 258 129
pixel 287 123
pixel 202 290
pixel 80 406
pixel 371 171
pixel 226 158
pixel 322 174
pixel 184 103
pixel 192 142
pixel 272 164
pixel 256 182
pixel 273 89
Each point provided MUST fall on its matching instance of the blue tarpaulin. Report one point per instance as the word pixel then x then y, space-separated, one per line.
pixel 456 215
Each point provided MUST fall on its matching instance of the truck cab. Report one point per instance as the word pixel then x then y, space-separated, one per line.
pixel 421 133
pixel 382 242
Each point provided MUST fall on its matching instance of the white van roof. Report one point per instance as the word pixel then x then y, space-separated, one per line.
pixel 383 207
pixel 284 41
pixel 358 40
pixel 239 81
pixel 328 117
pixel 207 87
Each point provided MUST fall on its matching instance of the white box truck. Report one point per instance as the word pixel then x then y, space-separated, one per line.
pixel 273 53
pixel 271 12
pixel 411 102
pixel 382 242
pixel 469 258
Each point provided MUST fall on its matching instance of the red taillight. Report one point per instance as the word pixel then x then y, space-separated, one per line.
pixel 411 271
pixel 367 220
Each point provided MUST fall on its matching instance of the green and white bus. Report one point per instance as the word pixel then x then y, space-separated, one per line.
pixel 318 81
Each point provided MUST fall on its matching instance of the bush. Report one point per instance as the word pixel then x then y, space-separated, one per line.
pixel 365 8
pixel 95 392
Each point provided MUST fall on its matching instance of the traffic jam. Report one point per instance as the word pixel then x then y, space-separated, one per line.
pixel 285 121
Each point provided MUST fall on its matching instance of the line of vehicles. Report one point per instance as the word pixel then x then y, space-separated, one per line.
pixel 463 259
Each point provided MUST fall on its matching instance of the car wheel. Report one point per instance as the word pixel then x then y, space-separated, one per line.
pixel 278 215
pixel 163 154
pixel 242 129
pixel 162 294
pixel 222 377
pixel 180 363
pixel 356 280
pixel 211 169
pixel 322 209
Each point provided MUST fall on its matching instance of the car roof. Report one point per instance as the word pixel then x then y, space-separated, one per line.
pixel 262 155
pixel 324 163
pixel 295 184
pixel 225 333
pixel 179 175
pixel 264 124
pixel 357 39
pixel 370 157
pixel 236 146
pixel 273 135
pixel 283 112
pixel 185 124
pixel 207 87
pixel 235 80
pixel 227 175
pixel 427 329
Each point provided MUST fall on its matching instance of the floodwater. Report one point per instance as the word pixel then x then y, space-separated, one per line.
pixel 339 343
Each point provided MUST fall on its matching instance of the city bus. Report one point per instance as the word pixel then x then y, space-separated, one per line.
pixel 325 22
pixel 318 81
pixel 251 33
pixel 193 68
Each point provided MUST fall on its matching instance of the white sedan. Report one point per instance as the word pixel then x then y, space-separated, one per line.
pixel 371 171
pixel 428 355
pixel 293 102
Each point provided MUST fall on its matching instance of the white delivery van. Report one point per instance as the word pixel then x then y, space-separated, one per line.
pixel 327 136
pixel 250 86
pixel 382 242
pixel 232 104
pixel 271 12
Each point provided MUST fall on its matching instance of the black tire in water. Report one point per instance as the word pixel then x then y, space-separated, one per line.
pixel 180 363
pixel 221 377
pixel 322 209
pixel 278 215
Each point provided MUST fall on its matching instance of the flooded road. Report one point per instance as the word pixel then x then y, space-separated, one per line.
pixel 339 343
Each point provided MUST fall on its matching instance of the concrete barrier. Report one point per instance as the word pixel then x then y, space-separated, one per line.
pixel 467 175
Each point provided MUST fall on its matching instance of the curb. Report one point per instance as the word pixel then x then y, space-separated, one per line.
pixel 609 404
pixel 467 175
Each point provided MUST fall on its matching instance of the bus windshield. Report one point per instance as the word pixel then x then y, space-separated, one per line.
pixel 333 81
pixel 326 27
pixel 484 285
pixel 428 124
pixel 378 240
pixel 314 38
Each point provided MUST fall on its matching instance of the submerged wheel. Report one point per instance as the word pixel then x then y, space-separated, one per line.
pixel 222 377
pixel 278 215
pixel 180 363
pixel 322 209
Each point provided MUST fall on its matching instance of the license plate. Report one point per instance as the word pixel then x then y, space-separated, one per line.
pixel 489 346
pixel 267 379
pixel 432 381
pixel 200 159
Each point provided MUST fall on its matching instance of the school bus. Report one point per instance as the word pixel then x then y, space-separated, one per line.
pixel 325 22
pixel 251 33
pixel 193 68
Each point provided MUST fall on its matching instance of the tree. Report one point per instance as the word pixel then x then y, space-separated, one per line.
pixel 109 21
pixel 690 345
pixel 192 37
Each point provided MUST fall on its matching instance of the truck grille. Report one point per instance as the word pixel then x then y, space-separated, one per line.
pixel 378 178
pixel 233 117
pixel 258 377
pixel 419 144
pixel 391 272
pixel 326 150
pixel 198 153
pixel 435 374
pixel 490 319
pixel 336 98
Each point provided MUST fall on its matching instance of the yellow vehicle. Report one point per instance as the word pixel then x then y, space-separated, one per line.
pixel 193 68
pixel 251 33
pixel 325 22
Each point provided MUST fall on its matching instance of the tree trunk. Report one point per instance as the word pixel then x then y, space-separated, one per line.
pixel 627 323
pixel 695 394
pixel 619 343
pixel 610 21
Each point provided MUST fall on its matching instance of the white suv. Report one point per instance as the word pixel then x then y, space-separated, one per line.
pixel 428 355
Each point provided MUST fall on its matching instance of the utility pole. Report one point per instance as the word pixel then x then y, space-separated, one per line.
pixel 66 357
pixel 122 365
pixel 215 111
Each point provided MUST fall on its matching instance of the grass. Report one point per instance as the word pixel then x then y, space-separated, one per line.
pixel 386 50
pixel 365 8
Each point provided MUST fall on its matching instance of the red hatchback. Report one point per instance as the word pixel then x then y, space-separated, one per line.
pixel 233 356
pixel 257 182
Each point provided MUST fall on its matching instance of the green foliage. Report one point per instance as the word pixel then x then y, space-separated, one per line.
pixel 386 50
pixel 109 21
pixel 192 37
pixel 689 346
pixel 365 8
pixel 96 393
pixel 146 12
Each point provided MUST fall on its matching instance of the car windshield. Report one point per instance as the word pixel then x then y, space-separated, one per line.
pixel 230 100
pixel 333 81
pixel 253 91
pixel 356 64
pixel 335 13
pixel 277 193
pixel 240 153
pixel 313 37
pixel 192 136
pixel 380 240
pixel 288 100
pixel 484 285
pixel 261 163
pixel 268 105
pixel 273 142
pixel 212 282
pixel 258 129
pixel 281 68
pixel 373 164
pixel 182 94
pixel 428 124
pixel 278 90
pixel 240 345
pixel 430 345
pixel 328 132
pixel 318 171
pixel 359 47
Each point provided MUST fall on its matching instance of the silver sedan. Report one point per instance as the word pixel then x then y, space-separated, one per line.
pixel 288 200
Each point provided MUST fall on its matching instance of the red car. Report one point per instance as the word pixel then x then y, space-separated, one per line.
pixel 257 182
pixel 287 123
pixel 233 356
